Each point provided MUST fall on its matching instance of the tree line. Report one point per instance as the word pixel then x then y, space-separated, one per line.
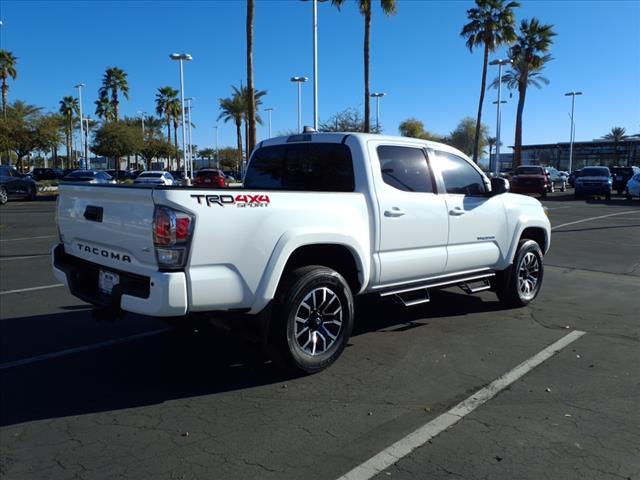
pixel 491 25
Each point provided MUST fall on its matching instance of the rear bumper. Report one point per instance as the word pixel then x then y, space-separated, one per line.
pixel 162 294
pixel 593 189
pixel 528 188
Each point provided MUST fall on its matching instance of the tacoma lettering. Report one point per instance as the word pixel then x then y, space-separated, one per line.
pixel 104 253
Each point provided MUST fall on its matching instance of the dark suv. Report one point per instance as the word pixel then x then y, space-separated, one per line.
pixel 593 181
pixel 14 184
pixel 621 176
pixel 46 174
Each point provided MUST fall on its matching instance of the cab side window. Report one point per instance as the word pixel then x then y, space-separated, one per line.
pixel 405 168
pixel 459 176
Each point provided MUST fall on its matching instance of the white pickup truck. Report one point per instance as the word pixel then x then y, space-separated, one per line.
pixel 321 217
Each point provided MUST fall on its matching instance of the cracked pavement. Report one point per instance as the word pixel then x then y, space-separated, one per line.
pixel 206 404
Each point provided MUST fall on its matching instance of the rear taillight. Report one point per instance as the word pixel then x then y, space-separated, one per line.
pixel 172 230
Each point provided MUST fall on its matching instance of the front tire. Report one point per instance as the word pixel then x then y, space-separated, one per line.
pixel 520 283
pixel 312 319
pixel 33 193
pixel 608 196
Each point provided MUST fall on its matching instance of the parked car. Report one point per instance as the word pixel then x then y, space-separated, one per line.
pixel 14 184
pixel 633 187
pixel 133 174
pixel 594 181
pixel 154 177
pixel 530 179
pixel 46 174
pixel 556 179
pixel 210 178
pixel 119 175
pixel 179 174
pixel 621 176
pixel 322 218
pixel 572 177
pixel 231 176
pixel 89 176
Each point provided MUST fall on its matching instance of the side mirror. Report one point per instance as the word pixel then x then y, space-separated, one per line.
pixel 499 185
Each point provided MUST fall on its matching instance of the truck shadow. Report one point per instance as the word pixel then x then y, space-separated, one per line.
pixel 166 366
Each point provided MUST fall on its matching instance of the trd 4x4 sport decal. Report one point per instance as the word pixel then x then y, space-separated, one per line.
pixel 240 201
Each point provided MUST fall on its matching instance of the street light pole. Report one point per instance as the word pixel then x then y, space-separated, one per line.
pixel 86 141
pixel 299 81
pixel 190 137
pixel 270 109
pixel 572 135
pixel 142 114
pixel 182 57
pixel 217 153
pixel 79 87
pixel 500 63
pixel 315 64
pixel 378 96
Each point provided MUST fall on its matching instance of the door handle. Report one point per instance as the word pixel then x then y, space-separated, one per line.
pixel 457 212
pixel 394 212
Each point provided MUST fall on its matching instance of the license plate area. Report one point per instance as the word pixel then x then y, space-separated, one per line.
pixel 107 280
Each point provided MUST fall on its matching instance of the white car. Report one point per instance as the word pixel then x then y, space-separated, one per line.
pixel 633 187
pixel 321 218
pixel 155 177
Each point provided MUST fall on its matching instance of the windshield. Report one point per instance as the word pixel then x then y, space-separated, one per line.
pixel 528 171
pixel 150 175
pixel 595 172
pixel 81 174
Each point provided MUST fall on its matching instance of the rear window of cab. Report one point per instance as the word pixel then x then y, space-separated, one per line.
pixel 316 167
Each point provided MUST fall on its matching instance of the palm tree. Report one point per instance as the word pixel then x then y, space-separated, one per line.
pixel 7 69
pixel 245 97
pixel 114 81
pixel 617 135
pixel 388 8
pixel 233 108
pixel 528 56
pixel 491 141
pixel 251 100
pixel 69 108
pixel 491 25
pixel 104 109
pixel 174 106
pixel 164 98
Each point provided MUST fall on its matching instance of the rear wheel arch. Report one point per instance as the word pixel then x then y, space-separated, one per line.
pixel 334 256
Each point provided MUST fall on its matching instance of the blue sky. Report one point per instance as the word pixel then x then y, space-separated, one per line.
pixel 417 58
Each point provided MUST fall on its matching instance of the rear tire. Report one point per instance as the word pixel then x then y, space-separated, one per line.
pixel 312 319
pixel 33 193
pixel 520 283
pixel 4 198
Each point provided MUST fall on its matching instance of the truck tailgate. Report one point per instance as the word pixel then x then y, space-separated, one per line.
pixel 110 226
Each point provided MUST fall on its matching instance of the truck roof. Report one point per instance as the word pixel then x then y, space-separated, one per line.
pixel 339 137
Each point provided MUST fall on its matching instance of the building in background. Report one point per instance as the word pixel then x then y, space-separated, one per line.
pixel 596 152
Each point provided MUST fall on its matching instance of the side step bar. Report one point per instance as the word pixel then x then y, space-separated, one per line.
pixel 419 294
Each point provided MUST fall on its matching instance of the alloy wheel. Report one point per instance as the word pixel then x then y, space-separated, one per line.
pixel 318 321
pixel 528 276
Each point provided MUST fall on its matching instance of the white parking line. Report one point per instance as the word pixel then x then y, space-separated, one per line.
pixel 594 218
pixel 71 351
pixel 25 238
pixel 7 259
pixel 43 287
pixel 408 444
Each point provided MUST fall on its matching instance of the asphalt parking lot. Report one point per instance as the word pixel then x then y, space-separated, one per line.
pixel 132 399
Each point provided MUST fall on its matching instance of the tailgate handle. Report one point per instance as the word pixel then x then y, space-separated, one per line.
pixel 93 213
